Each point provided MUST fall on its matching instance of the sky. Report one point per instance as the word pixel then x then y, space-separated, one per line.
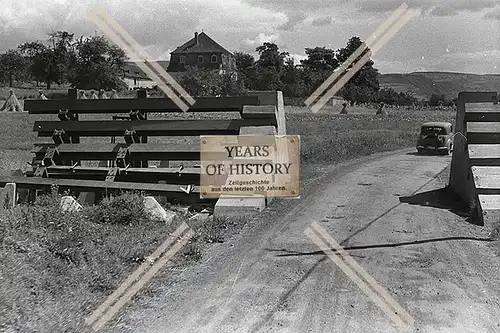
pixel 444 35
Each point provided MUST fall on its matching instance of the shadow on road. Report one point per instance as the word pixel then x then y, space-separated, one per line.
pixel 442 198
pixel 386 245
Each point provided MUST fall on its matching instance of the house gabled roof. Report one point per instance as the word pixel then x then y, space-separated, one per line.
pixel 205 44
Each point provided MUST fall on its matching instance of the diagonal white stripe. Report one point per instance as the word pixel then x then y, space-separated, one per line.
pixel 356 279
pixel 138 272
pixel 340 83
pixel 142 281
pixel 395 15
pixel 380 43
pixel 394 30
pixel 368 278
pixel 115 38
pixel 141 52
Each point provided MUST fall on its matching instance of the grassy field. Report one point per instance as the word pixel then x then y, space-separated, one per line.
pixel 56 268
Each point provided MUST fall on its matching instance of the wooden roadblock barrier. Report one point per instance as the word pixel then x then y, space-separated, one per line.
pixel 475 166
pixel 60 162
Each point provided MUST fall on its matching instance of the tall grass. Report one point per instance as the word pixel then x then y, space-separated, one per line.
pixel 56 267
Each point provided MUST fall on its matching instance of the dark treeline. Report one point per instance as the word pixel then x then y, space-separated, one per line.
pixel 85 63
pixel 95 63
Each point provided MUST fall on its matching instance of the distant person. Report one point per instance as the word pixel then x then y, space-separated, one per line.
pixel 41 95
pixel 381 110
pixel 102 94
pixel 93 95
pixel 113 95
pixel 344 108
pixel 82 95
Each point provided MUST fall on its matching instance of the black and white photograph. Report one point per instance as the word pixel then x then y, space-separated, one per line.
pixel 250 166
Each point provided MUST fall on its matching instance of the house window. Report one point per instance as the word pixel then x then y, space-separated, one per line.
pixel 200 59
pixel 213 59
pixel 182 59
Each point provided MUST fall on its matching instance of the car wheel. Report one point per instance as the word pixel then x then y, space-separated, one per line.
pixel 419 151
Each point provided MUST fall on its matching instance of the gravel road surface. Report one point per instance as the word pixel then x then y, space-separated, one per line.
pixel 390 213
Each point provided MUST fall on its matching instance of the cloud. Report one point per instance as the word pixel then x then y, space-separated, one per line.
pixel 250 45
pixel 440 7
pixel 298 57
pixel 298 5
pixel 493 15
pixel 155 24
pixel 260 39
pixel 322 21
pixel 293 21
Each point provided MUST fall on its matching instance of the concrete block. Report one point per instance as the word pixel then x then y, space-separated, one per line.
pixel 86 198
pixel 157 211
pixel 239 207
pixel 69 204
pixel 258 130
pixel 22 193
pixel 8 196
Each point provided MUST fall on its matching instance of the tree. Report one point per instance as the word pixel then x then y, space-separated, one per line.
pixel 245 65
pixel 209 82
pixel 63 48
pixel 391 97
pixel 320 59
pixel 12 65
pixel 269 56
pixel 35 54
pixel 96 64
pixel 364 85
pixel 268 68
pixel 292 79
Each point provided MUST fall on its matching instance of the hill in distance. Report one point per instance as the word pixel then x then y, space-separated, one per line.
pixel 423 84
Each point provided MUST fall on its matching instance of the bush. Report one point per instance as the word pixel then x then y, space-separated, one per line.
pixel 127 208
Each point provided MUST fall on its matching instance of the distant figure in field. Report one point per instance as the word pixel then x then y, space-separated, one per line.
pixel 113 95
pixel 93 95
pixel 344 108
pixel 12 103
pixel 381 110
pixel 41 95
pixel 102 94
pixel 82 95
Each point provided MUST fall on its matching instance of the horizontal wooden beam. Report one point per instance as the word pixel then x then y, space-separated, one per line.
pixel 147 127
pixel 483 138
pixel 489 202
pixel 92 186
pixel 486 179
pixel 482 116
pixel 484 155
pixel 108 151
pixel 124 105
pixel 186 176
pixel 477 96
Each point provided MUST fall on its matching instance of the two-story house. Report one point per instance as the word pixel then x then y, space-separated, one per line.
pixel 201 51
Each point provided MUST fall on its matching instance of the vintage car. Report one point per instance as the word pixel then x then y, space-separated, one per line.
pixel 435 137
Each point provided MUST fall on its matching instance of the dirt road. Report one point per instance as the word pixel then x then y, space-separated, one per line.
pixel 387 211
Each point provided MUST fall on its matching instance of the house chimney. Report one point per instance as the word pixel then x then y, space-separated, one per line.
pixel 196 37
